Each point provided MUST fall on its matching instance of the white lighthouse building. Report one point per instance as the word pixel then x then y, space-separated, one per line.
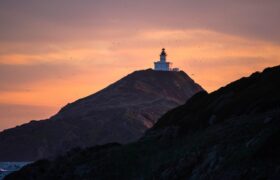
pixel 162 64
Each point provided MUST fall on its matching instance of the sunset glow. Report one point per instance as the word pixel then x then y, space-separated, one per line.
pixel 57 52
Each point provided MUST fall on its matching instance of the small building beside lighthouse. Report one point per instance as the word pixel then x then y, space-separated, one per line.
pixel 163 64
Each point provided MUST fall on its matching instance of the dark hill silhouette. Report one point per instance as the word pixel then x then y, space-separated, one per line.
pixel 232 133
pixel 121 112
pixel 255 94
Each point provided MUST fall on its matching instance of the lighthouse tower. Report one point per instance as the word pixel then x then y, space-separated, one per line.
pixel 162 64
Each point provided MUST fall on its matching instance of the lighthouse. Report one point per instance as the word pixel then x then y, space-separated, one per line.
pixel 162 64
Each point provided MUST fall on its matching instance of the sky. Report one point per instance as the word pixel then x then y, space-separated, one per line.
pixel 57 51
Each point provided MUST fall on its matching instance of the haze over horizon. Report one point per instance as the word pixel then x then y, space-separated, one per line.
pixel 54 52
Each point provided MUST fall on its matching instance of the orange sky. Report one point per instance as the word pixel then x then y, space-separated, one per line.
pixel 52 53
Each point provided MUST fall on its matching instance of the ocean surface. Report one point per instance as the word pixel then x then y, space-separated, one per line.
pixel 9 167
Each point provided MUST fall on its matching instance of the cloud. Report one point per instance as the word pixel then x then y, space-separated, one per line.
pixel 94 19
pixel 192 49
pixel 53 52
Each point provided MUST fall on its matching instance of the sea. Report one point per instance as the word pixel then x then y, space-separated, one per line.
pixel 9 167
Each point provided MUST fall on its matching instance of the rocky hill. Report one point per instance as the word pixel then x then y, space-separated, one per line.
pixel 121 112
pixel 232 133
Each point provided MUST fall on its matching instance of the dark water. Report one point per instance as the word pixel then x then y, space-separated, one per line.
pixel 8 167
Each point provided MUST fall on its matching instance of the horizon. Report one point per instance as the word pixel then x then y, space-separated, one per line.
pixel 53 53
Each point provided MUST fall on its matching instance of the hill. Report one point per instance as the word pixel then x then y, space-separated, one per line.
pixel 121 112
pixel 232 133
